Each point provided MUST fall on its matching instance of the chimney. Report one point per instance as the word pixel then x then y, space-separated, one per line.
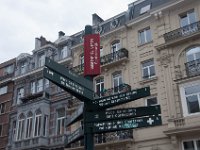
pixel 43 41
pixel 96 19
pixel 37 43
pixel 60 34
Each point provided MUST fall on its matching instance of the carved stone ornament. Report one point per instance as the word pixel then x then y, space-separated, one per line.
pixel 99 30
pixel 165 59
pixel 115 23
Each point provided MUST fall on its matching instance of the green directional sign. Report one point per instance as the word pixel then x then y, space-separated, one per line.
pixel 121 98
pixel 116 114
pixel 69 74
pixel 72 87
pixel 74 136
pixel 124 124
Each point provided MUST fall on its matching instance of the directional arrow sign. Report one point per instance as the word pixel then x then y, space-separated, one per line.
pixel 69 74
pixel 126 113
pixel 117 99
pixel 75 136
pixel 124 124
pixel 72 87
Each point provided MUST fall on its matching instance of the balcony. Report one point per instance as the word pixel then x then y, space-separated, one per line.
pixel 32 143
pixel 182 33
pixel 35 96
pixel 112 58
pixel 193 68
pixel 118 89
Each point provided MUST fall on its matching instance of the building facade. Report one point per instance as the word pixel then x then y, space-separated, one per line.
pixel 6 95
pixel 153 43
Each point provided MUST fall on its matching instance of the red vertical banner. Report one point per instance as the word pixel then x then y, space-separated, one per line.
pixel 91 54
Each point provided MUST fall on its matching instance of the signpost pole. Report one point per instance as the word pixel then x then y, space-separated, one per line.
pixel 88 133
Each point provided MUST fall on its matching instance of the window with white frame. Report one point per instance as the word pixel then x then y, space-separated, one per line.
pixel 29 125
pixel 9 69
pixel 117 81
pixel 99 86
pixel 190 96
pixel 3 90
pixel 38 123
pixel 41 60
pixel 145 9
pixel 151 101
pixel 40 85
pixel 191 144
pixel 60 121
pixel 45 123
pixel 148 69
pixel 64 52
pixel 2 108
pixel 20 94
pixel 145 36
pixel 187 18
pixel 33 87
pixel 1 130
pixel 193 54
pixel 20 127
pixel 115 46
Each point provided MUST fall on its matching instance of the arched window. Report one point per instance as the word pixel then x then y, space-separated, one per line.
pixel 20 129
pixel 38 123
pixel 29 124
pixel 193 54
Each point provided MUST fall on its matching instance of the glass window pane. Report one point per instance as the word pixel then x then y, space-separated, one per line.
pixel 192 89
pixel 193 104
pixel 184 21
pixel 192 18
pixel 189 145
pixel 145 73
pixel 152 101
pixel 148 35
pixel 142 37
pixel 152 71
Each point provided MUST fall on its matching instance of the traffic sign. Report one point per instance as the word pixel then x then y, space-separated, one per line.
pixel 68 85
pixel 124 124
pixel 116 114
pixel 69 74
pixel 74 136
pixel 121 98
pixel 77 115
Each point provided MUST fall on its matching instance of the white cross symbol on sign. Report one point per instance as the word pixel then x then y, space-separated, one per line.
pixel 150 121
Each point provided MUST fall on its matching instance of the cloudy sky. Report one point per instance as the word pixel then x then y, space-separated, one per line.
pixel 21 21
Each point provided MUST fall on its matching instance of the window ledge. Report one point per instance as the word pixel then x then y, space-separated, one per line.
pixel 140 45
pixel 143 81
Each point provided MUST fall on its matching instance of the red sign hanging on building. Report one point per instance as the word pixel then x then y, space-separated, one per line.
pixel 91 54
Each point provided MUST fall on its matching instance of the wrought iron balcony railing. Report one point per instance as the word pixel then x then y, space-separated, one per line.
pixel 182 32
pixel 118 89
pixel 193 68
pixel 113 57
pixel 110 58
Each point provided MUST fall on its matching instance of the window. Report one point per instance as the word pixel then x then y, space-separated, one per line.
pixel 82 61
pixel 1 130
pixel 191 100
pixel 9 69
pixel 193 54
pixel 46 82
pixel 20 129
pixel 23 67
pixel 117 81
pixel 60 121
pixel 191 145
pixel 3 90
pixel 2 108
pixel 29 122
pixel 20 94
pixel 64 52
pixel 148 69
pixel 187 18
pixel 14 130
pixel 151 101
pixel 45 125
pixel 38 123
pixel 145 36
pixel 101 51
pixel 41 60
pixel 33 87
pixel 145 9
pixel 40 85
pixel 99 86
pixel 115 46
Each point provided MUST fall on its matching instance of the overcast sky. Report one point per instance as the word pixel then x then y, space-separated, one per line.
pixel 21 21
